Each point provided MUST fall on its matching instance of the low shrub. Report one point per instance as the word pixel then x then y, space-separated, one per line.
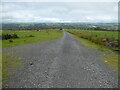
pixel 9 36
pixel 14 36
pixel 10 41
pixel 31 36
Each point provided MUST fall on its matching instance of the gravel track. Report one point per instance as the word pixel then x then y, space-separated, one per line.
pixel 61 63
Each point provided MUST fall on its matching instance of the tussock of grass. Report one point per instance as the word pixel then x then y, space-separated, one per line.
pixel 112 60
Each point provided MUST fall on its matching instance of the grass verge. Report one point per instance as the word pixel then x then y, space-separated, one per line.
pixel 108 39
pixel 110 58
pixel 0 67
pixel 27 37
pixel 9 64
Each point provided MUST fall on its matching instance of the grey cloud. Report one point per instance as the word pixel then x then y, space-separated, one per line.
pixel 56 12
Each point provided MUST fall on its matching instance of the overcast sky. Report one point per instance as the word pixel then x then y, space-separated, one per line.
pixel 59 12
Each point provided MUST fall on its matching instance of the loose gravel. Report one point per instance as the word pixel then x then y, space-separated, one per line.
pixel 62 63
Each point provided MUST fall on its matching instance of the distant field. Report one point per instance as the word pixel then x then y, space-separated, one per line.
pixel 27 37
pixel 106 38
pixel 108 34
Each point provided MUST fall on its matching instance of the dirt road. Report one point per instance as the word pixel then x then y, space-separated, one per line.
pixel 62 63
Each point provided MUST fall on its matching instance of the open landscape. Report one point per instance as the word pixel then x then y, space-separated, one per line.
pixel 39 52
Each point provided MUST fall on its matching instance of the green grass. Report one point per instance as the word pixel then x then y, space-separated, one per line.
pixel 39 36
pixel 0 69
pixel 92 45
pixel 104 38
pixel 10 63
pixel 110 58
pixel 0 61
pixel 108 34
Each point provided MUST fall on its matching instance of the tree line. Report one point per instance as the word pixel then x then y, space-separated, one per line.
pixel 38 26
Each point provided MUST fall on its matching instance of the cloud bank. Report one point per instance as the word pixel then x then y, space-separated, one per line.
pixel 59 12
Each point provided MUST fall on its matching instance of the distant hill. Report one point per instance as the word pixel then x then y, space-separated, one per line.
pixel 37 26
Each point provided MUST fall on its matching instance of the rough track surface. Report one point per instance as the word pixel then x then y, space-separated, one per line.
pixel 62 63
